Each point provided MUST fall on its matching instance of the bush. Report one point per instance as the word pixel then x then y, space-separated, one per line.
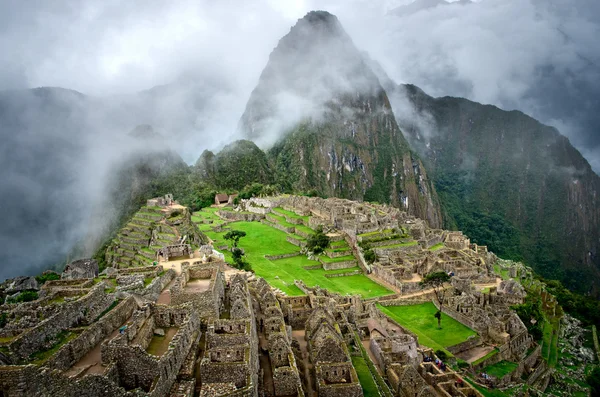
pixel 593 379
pixel 370 256
pixel 318 241
pixel 25 296
pixel 47 276
pixel 441 354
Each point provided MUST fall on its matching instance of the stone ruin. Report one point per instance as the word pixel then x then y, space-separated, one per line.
pixel 165 201
pixel 142 329
pixel 80 269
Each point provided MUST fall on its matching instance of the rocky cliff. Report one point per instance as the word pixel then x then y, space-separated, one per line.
pixel 329 125
pixel 509 182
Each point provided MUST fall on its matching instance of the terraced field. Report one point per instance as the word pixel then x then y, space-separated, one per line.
pixel 264 240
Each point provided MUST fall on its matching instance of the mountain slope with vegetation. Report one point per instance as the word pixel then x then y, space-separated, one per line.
pixel 329 125
pixel 509 182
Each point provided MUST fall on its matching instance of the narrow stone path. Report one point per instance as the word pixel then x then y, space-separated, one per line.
pixel 310 386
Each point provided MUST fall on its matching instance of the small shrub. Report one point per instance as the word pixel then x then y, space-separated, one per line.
pixel 25 296
pixel 47 276
pixel 441 354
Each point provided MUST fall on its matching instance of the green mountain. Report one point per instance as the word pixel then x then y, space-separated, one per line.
pixel 328 124
pixel 509 182
pixel 239 164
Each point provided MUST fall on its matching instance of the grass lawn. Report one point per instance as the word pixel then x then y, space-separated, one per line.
pixel 500 369
pixel 281 220
pixel 261 240
pixel 550 342
pixel 503 273
pixel 327 259
pixel 420 320
pixel 436 247
pixel 290 214
pixel 365 378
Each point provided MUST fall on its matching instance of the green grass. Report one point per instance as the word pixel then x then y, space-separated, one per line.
pixel 61 339
pixel 420 320
pixel 364 376
pixel 436 247
pixel 503 273
pixel 500 369
pixel 550 342
pixel 327 259
pixel 281 220
pixel 264 240
pixel 339 244
pixel 482 359
pixel 290 214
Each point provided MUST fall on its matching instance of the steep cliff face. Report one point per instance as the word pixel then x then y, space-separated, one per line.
pixel 329 124
pixel 509 182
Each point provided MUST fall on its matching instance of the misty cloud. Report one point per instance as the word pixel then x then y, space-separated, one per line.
pixel 188 68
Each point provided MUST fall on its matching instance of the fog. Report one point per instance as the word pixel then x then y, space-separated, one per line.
pixel 188 69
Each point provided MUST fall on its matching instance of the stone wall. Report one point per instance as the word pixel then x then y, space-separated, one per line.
pixel 240 216
pixel 71 313
pixel 338 265
pixel 345 274
pixel 75 349
pixel 464 346
pixel 283 256
pixel 155 375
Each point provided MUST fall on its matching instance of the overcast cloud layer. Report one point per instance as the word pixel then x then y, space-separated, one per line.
pixel 188 67
pixel 538 56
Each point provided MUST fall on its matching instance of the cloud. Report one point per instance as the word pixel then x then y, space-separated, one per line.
pixel 204 58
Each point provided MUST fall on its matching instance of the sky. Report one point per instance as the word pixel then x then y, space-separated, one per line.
pixel 537 56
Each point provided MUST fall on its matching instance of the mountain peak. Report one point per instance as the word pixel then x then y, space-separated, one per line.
pixel 314 64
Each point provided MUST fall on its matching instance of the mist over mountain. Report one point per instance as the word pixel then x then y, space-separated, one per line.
pixel 322 116
pixel 335 128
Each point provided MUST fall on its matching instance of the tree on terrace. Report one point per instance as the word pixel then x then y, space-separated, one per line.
pixel 234 236
pixel 436 280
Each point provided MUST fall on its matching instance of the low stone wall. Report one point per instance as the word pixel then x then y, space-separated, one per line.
pixel 278 226
pixel 258 210
pixel 74 350
pixel 464 346
pixel 417 300
pixel 405 248
pixel 353 273
pixel 153 290
pixel 283 256
pixel 240 216
pixel 338 265
pixel 338 254
pixel 315 267
pixel 296 242
pixel 461 318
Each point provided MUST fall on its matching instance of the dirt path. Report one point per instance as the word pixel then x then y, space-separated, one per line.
pixel 367 345
pixel 310 387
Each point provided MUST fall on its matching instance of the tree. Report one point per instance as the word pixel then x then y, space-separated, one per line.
pixel 436 280
pixel 318 241
pixel 234 236
pixel 370 256
pixel 593 379
pixel 239 261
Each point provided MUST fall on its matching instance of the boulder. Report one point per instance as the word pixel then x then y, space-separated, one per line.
pixel 21 284
pixel 82 268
